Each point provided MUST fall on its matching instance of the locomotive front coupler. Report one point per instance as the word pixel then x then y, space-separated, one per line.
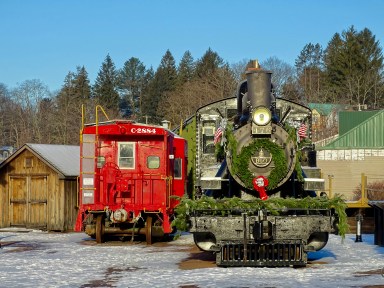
pixel 262 228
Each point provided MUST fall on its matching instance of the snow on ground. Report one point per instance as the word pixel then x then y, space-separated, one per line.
pixel 42 259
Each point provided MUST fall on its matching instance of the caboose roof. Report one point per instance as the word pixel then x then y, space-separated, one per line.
pixel 132 122
pixel 64 159
pixel 114 121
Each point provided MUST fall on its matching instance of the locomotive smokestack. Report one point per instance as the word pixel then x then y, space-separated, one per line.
pixel 259 85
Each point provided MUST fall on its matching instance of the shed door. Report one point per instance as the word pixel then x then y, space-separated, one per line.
pixel 28 201
pixel 37 205
pixel 18 201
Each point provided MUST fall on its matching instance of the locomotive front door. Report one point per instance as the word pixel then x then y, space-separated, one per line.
pixel 28 201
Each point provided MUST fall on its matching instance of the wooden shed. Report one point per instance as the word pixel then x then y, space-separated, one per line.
pixel 38 187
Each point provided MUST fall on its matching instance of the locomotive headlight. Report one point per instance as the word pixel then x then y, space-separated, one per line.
pixel 261 116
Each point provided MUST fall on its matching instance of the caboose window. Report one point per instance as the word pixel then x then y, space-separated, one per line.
pixel 177 168
pixel 127 155
pixel 153 162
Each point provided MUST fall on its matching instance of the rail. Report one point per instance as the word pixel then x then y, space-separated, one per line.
pixel 366 193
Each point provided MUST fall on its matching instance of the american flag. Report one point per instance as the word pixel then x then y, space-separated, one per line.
pixel 218 134
pixel 302 132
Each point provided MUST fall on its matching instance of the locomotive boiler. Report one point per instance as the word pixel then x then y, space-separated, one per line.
pixel 256 148
pixel 129 175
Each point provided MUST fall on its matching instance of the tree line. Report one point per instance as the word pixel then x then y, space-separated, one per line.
pixel 348 71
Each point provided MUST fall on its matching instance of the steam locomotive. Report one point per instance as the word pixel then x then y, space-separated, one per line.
pixel 266 153
pixel 129 175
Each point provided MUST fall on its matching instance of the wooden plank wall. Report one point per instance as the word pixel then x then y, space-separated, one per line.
pixel 347 173
pixel 71 204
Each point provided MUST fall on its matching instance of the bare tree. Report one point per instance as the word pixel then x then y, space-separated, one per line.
pixel 27 126
pixel 238 69
pixel 4 114
pixel 183 103
pixel 282 73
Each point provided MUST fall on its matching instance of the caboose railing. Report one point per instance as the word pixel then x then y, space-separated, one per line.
pixel 97 109
pixel 88 158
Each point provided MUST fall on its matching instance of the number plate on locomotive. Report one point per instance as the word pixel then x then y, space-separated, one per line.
pixel 261 129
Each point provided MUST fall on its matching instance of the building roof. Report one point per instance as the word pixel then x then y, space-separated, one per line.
pixel 64 159
pixel 325 108
pixel 368 134
pixel 351 119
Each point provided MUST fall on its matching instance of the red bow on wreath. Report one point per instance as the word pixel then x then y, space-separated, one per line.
pixel 259 183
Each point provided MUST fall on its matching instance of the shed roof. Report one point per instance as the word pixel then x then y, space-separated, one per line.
pixel 65 159
pixel 368 134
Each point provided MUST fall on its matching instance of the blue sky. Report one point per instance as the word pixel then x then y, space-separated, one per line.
pixel 46 39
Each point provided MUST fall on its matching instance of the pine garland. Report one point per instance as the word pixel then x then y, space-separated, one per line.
pixel 275 206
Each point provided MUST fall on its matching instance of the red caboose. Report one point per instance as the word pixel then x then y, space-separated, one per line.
pixel 128 175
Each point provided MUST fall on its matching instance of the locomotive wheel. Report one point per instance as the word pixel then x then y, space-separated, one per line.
pixel 100 229
pixel 148 230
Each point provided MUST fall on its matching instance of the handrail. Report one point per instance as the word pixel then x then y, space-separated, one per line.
pixel 97 117
pixel 97 108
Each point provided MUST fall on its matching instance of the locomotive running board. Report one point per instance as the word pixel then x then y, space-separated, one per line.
pixel 261 254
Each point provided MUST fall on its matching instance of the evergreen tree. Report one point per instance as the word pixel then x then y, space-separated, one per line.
pixel 167 73
pixel 164 81
pixel 215 78
pixel 82 88
pixel 354 65
pixel 131 84
pixel 82 95
pixel 105 88
pixel 68 109
pixel 309 71
pixel 208 64
pixel 145 100
pixel 185 69
pixel 333 59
